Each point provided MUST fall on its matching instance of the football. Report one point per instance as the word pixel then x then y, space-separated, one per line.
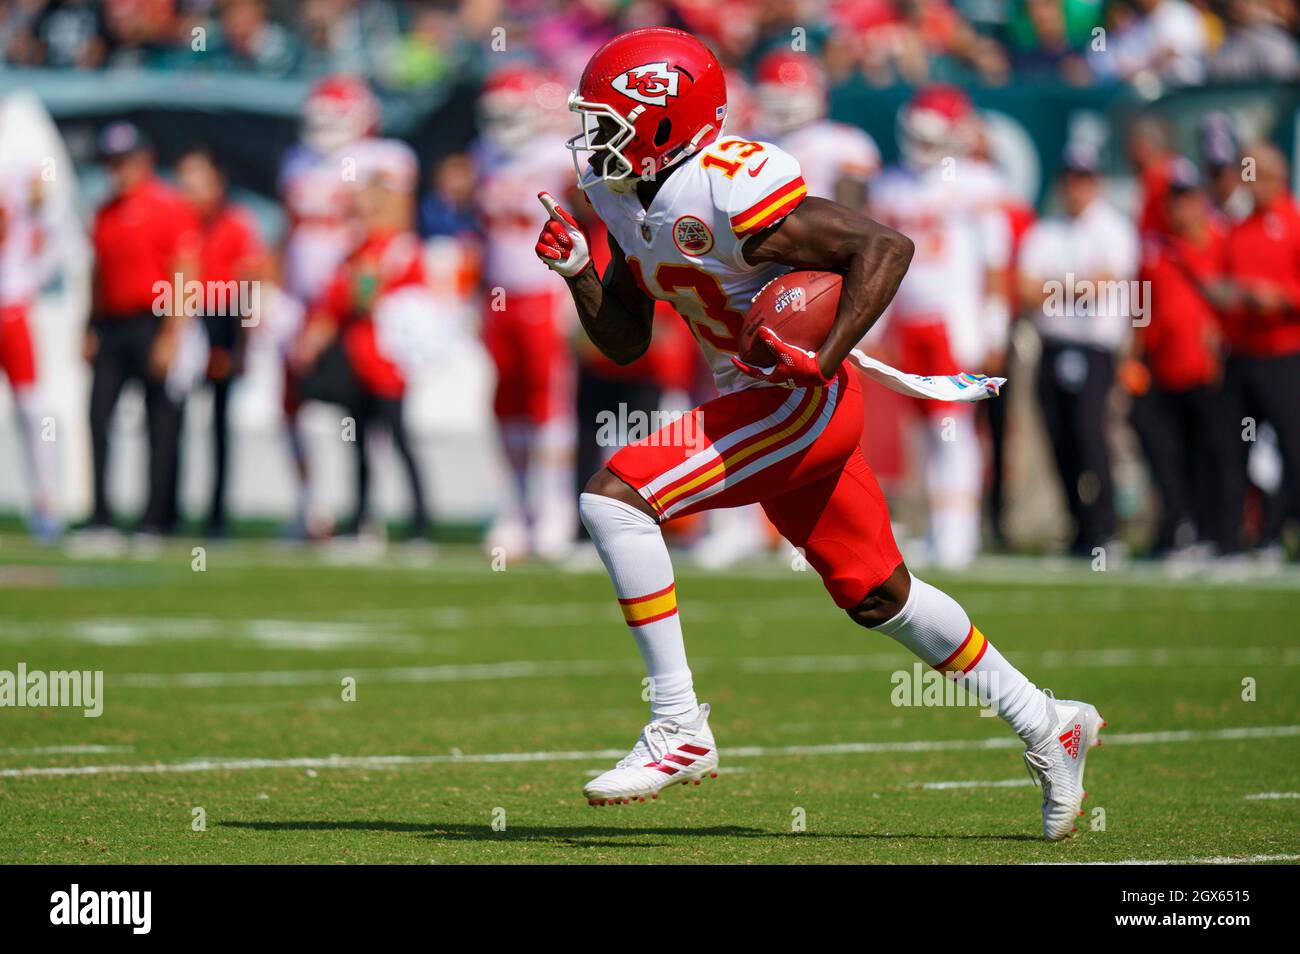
pixel 799 306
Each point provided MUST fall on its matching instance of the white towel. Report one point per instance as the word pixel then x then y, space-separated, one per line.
pixel 947 387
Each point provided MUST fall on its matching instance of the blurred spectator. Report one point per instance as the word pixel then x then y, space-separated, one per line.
pixel 1256 46
pixel 229 253
pixel 1261 292
pixel 346 36
pixel 145 236
pixel 1151 152
pixel 1153 42
pixel 246 39
pixel 1071 265
pixel 915 41
pixel 63 33
pixel 1175 384
pixel 449 207
pixel 426 52
pixel 1048 48
pixel 1221 161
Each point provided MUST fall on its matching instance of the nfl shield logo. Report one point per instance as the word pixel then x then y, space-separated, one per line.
pixel 645 232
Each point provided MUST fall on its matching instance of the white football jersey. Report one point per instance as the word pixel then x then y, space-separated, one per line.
pixel 315 196
pixel 507 202
pixel 953 215
pixel 22 237
pixel 686 248
pixel 828 152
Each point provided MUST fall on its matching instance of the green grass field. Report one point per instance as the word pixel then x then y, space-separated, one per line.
pixel 488 696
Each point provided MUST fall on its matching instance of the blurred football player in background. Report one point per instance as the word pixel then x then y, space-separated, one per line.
pixel 951 310
pixel 339 111
pixel 387 261
pixel 28 256
pixel 838 160
pixel 526 313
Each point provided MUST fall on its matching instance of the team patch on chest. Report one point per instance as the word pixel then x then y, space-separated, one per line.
pixel 692 236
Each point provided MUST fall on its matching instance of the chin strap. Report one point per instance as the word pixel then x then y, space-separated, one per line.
pixel 962 387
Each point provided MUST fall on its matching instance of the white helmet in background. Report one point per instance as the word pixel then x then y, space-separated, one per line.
pixel 791 91
pixel 939 121
pixel 517 104
pixel 339 110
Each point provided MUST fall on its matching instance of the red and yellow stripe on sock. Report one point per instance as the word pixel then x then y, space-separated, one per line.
pixel 968 654
pixel 639 610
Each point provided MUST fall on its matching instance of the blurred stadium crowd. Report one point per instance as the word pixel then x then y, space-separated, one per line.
pixel 1191 323
pixel 408 43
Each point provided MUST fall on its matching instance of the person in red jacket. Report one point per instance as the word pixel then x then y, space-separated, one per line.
pixel 230 257
pixel 387 260
pixel 144 237
pixel 1176 379
pixel 1261 295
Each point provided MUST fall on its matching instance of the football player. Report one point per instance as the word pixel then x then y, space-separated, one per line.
pixel 524 314
pixel 837 160
pixel 951 310
pixel 27 259
pixel 704 220
pixel 315 192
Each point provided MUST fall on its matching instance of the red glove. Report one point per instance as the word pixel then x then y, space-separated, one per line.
pixel 794 368
pixel 563 245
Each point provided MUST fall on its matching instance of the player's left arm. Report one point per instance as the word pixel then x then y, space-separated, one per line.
pixel 824 236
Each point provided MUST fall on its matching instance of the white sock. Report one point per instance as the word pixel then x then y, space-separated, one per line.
pixel 935 627
pixel 630 544
pixel 954 474
pixel 41 461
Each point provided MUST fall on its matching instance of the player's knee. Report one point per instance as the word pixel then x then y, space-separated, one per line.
pixel 604 483
pixel 885 601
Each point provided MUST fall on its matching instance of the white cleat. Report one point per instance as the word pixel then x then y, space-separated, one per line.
pixel 1056 763
pixel 668 752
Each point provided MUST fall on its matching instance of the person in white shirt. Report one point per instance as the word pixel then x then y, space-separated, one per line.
pixel 1078 267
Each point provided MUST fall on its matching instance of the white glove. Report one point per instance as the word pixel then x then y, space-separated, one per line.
pixel 563 245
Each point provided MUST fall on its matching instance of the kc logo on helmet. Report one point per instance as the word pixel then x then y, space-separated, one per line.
pixel 651 83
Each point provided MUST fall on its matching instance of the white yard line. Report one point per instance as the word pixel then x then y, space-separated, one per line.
pixel 998 783
pixel 1217 860
pixel 471 672
pixel 68 750
pixel 751 751
pixel 1271 796
pixel 1118 658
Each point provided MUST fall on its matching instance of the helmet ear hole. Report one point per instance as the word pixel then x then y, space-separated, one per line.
pixel 664 131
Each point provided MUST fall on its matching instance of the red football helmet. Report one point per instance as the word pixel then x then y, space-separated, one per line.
pixel 938 122
pixel 339 110
pixel 791 91
pixel 648 99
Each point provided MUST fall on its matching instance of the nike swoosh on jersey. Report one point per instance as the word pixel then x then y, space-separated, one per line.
pixel 757 169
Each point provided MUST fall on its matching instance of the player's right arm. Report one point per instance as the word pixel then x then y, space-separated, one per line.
pixel 615 313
